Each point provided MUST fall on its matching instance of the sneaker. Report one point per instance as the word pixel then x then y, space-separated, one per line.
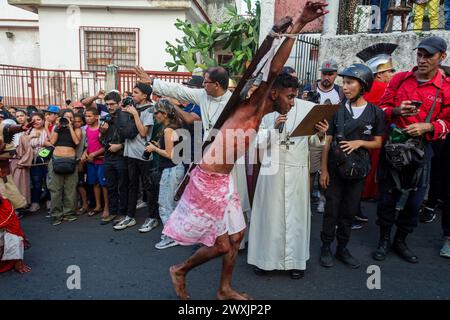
pixel 69 217
pixel 57 221
pixel 149 225
pixel 125 223
pixel 321 205
pixel 141 204
pixel 166 243
pixel 356 225
pixel 34 207
pixel 445 251
pixel 427 215
pixel 48 215
pixel 361 217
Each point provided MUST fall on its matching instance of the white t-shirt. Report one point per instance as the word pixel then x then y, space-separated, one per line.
pixel 357 111
pixel 333 95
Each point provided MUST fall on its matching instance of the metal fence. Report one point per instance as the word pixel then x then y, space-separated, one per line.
pixel 372 16
pixel 306 59
pixel 127 78
pixel 23 86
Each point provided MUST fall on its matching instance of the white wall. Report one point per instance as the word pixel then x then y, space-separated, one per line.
pixel 60 39
pixel 22 49
pixel 11 12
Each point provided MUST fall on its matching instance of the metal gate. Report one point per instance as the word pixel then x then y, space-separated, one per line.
pixel 306 59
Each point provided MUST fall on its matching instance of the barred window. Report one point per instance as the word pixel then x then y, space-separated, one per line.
pixel 101 46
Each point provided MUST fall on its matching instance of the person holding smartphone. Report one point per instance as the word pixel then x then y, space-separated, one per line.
pixel 408 101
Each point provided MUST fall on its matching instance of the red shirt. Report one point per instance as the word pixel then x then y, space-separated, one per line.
pixel 404 86
pixel 376 92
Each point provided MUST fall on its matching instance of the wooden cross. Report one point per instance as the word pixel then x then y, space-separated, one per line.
pixel 287 142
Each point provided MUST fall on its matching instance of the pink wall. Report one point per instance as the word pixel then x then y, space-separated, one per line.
pixel 292 8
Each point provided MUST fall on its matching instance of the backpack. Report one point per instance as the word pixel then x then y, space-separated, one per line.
pixel 127 125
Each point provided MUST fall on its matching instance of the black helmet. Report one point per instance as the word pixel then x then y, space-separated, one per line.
pixel 361 72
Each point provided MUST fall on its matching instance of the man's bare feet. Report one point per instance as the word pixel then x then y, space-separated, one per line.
pixel 21 267
pixel 179 283
pixel 230 294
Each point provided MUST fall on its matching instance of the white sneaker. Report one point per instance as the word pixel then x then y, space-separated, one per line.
pixel 34 207
pixel 321 205
pixel 149 225
pixel 141 204
pixel 125 223
pixel 166 243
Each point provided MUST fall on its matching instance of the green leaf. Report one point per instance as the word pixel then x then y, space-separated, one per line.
pixel 247 42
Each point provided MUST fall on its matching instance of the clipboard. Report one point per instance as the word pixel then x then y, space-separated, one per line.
pixel 315 115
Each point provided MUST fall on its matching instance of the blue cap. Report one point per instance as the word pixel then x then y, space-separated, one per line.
pixel 52 109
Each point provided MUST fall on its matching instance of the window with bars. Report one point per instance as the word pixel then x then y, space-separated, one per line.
pixel 100 46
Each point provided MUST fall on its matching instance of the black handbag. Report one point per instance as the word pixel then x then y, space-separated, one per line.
pixel 355 165
pixel 64 165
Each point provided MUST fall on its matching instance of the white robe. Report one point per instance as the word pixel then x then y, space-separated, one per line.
pixel 211 108
pixel 281 215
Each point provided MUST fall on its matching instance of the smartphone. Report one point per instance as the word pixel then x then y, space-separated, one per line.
pixel 416 103
pixel 1 98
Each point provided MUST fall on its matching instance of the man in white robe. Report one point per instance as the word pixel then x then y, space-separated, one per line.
pixel 281 215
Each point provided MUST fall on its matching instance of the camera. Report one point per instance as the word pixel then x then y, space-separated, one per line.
pixel 128 101
pixel 106 118
pixel 146 155
pixel 313 96
pixel 63 122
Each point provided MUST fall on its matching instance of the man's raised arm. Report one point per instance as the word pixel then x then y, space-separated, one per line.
pixel 311 11
pixel 169 89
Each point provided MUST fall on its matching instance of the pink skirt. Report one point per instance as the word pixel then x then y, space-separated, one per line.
pixel 206 210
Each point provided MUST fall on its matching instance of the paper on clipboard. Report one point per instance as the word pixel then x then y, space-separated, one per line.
pixel 315 115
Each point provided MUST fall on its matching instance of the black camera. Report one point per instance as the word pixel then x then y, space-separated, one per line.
pixel 146 155
pixel 63 122
pixel 106 118
pixel 313 96
pixel 128 101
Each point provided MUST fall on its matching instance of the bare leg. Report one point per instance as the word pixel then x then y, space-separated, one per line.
pixel 202 255
pixel 83 195
pixel 98 196
pixel 225 291
pixel 105 199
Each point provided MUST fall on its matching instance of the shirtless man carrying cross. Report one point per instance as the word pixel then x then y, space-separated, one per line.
pixel 202 215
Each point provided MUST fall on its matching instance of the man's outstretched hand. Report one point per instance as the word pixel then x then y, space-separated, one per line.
pixel 312 11
pixel 142 76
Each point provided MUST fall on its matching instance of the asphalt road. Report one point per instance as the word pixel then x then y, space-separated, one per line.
pixel 125 265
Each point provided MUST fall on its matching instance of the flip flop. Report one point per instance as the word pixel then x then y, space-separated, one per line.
pixel 94 212
pixel 108 219
pixel 82 211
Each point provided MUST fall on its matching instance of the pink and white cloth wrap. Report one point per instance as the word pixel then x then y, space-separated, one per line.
pixel 207 209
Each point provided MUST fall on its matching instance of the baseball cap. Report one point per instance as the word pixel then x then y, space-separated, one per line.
pixel 433 45
pixel 195 81
pixel 52 109
pixel 329 66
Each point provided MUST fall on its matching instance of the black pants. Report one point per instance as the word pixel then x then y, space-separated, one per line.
pixel 445 175
pixel 138 169
pixel 343 197
pixel 116 173
pixel 405 220
pixel 437 179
